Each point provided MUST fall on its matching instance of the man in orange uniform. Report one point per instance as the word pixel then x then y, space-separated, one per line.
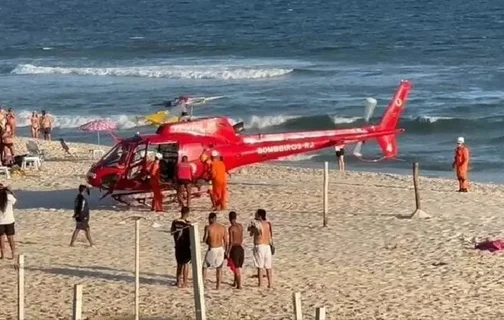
pixel 219 181
pixel 461 164
pixel 155 184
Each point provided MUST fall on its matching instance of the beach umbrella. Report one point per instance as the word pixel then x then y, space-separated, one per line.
pixel 98 126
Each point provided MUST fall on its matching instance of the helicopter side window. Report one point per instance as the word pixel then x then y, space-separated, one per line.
pixel 117 155
pixel 137 161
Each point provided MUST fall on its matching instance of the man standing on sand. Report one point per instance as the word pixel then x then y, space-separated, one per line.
pixel 215 237
pixel 180 232
pixel 235 251
pixel 461 164
pixel 340 156
pixel 262 232
pixel 46 125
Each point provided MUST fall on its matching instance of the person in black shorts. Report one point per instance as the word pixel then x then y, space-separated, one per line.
pixel 340 155
pixel 7 221
pixel 81 216
pixel 180 231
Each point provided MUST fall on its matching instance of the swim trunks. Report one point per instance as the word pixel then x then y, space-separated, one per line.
pixel 262 256
pixel 7 229
pixel 214 258
pixel 237 255
pixel 183 253
pixel 340 152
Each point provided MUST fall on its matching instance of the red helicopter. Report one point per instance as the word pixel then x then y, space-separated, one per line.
pixel 122 171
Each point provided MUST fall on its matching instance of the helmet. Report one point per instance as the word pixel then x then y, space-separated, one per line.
pixel 159 156
pixel 460 140
pixel 214 153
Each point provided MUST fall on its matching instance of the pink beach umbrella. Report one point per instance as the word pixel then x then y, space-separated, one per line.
pixel 98 126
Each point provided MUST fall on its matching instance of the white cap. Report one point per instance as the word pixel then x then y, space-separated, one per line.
pixel 214 153
pixel 460 140
pixel 159 156
pixel 142 154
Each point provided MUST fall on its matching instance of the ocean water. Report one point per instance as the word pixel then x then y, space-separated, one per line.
pixel 280 65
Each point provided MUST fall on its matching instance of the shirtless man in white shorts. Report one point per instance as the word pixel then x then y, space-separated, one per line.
pixel 216 238
pixel 263 241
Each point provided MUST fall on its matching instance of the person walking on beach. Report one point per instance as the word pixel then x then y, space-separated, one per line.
pixel 262 232
pixel 7 221
pixel 216 239
pixel 81 216
pixel 235 251
pixel 340 156
pixel 180 231
pixel 46 125
pixel 184 180
pixel 461 164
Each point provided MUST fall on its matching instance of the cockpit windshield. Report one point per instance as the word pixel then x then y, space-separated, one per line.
pixel 117 155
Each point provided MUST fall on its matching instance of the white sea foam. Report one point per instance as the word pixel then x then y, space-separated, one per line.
pixel 75 121
pixel 432 119
pixel 338 120
pixel 257 122
pixel 165 71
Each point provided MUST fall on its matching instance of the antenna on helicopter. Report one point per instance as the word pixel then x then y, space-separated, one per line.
pixel 370 104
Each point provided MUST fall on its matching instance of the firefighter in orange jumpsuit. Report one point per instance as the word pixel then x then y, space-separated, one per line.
pixel 461 164
pixel 155 184
pixel 219 181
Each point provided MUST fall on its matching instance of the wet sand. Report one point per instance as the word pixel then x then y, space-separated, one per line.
pixel 366 264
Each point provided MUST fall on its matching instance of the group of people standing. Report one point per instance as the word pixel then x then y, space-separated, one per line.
pixel 41 124
pixel 225 244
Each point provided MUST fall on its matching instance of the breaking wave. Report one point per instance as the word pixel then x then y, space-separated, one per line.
pixel 165 71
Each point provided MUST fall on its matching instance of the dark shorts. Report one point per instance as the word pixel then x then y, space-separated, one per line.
pixel 46 130
pixel 184 114
pixel 183 254
pixel 82 225
pixel 340 153
pixel 7 229
pixel 8 145
pixel 183 182
pixel 237 255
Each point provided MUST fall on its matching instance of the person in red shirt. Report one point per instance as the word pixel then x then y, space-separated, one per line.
pixel 184 180
pixel 461 164
pixel 155 184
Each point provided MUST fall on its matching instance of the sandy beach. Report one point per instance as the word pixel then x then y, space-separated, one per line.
pixel 366 264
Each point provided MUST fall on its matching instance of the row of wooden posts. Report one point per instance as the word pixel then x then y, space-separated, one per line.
pixel 198 287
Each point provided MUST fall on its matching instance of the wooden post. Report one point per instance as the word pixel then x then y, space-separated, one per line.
pixel 137 267
pixel 415 184
pixel 197 268
pixel 418 209
pixel 77 303
pixel 320 313
pixel 326 187
pixel 296 299
pixel 21 315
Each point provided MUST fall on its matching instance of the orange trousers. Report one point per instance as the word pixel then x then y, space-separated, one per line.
pixel 462 178
pixel 157 200
pixel 219 194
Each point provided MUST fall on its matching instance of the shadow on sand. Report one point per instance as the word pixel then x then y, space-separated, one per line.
pixel 59 199
pixel 96 274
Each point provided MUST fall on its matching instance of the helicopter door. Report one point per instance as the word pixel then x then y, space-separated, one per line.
pixel 169 161
pixel 137 161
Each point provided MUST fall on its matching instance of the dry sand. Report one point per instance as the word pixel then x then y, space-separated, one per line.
pixel 367 264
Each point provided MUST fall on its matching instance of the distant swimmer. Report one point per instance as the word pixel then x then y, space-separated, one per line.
pixel 216 238
pixel 340 156
pixel 461 164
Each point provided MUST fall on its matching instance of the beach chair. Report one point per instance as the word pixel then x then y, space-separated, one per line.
pixel 67 149
pixel 34 151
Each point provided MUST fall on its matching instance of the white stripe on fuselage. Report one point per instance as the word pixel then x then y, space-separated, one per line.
pixel 275 137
